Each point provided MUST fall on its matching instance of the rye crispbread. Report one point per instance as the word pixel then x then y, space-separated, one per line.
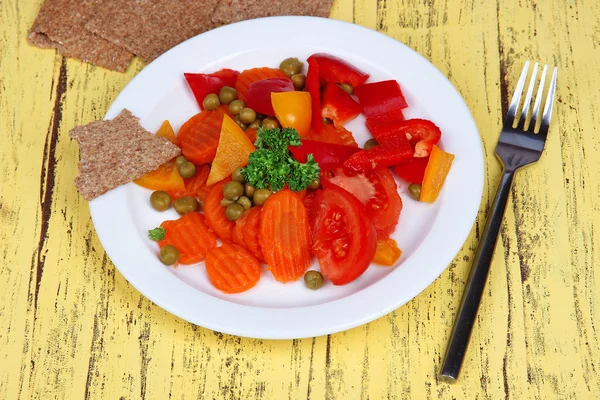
pixel 116 152
pixel 229 11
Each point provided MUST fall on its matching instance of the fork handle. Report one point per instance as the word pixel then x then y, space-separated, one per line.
pixel 467 312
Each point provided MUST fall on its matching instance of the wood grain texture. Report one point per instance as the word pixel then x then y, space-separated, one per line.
pixel 71 327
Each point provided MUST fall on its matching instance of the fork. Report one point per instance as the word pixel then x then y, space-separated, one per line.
pixel 519 145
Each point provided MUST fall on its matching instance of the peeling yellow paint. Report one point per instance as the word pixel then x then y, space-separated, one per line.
pixel 72 327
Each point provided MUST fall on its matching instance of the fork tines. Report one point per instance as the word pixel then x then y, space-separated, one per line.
pixel 529 121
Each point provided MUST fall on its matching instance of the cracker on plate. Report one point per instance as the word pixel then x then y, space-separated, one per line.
pixel 60 24
pixel 238 10
pixel 148 28
pixel 115 152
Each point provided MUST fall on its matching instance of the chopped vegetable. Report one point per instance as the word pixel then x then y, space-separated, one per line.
pixel 166 177
pixel 293 110
pixel 343 236
pixel 160 200
pixel 247 230
pixel 185 205
pixel 379 98
pixel 327 155
pixel 435 174
pixel 259 93
pixel 205 84
pixel 313 87
pixel 421 133
pixel 313 280
pixel 251 134
pixel 232 152
pixel 166 131
pixel 199 136
pixel 231 269
pixel 330 134
pixel 383 119
pixel 169 255
pixel 338 105
pixel 284 236
pixel 247 77
pixel 215 212
pixel 190 236
pixel 157 234
pixel 272 164
pixel 412 171
pixel 387 252
pixel 335 70
pixel 393 151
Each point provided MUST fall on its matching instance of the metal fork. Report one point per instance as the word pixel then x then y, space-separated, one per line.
pixel 518 146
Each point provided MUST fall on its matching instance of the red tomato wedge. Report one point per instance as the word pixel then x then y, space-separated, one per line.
pixel 344 238
pixel 215 212
pixel 377 190
pixel 247 77
pixel 259 93
pixel 231 269
pixel 199 136
pixel 284 236
pixel 204 84
pixel 190 236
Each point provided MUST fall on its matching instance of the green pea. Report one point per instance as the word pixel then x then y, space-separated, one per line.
pixel 226 202
pixel 237 175
pixel 233 190
pixel 227 95
pixel 298 80
pixel 314 185
pixel 169 255
pixel 160 200
pixel 187 169
pixel 247 115
pixel 256 124
pixel 313 280
pixel 234 211
pixel 291 66
pixel 369 144
pixel 244 202
pixel 270 123
pixel 346 87
pixel 211 102
pixel 180 160
pixel 249 190
pixel 185 205
pixel 236 106
pixel 261 196
pixel 415 191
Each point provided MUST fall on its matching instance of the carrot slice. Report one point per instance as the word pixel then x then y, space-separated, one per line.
pixel 215 212
pixel 199 136
pixel 249 76
pixel 194 186
pixel 237 235
pixel 233 151
pixel 231 269
pixel 190 236
pixel 387 252
pixel 284 236
pixel 166 177
pixel 250 232
pixel 435 174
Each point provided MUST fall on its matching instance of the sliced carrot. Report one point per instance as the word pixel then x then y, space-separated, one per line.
pixel 231 269
pixel 215 212
pixel 251 133
pixel 194 186
pixel 435 174
pixel 232 152
pixel 237 235
pixel 190 236
pixel 199 136
pixel 251 231
pixel 387 252
pixel 166 131
pixel 247 77
pixel 284 236
pixel 166 177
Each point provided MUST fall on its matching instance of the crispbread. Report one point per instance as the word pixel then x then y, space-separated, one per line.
pixel 116 152
pixel 148 28
pixel 237 10
pixel 61 24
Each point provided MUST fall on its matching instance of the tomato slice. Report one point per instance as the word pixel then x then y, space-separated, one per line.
pixel 377 190
pixel 343 237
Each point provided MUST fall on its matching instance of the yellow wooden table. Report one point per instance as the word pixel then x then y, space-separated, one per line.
pixel 72 327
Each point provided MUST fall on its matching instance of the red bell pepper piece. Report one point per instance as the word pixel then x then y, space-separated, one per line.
pixel 394 151
pixel 205 84
pixel 327 155
pixel 421 133
pixel 335 70
pixel 313 87
pixel 380 98
pixel 338 105
pixel 413 170
pixel 259 93
pixel 383 119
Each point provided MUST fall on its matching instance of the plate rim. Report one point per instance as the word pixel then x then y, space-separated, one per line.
pixel 142 284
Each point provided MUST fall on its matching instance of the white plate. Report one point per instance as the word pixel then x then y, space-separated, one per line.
pixel 430 235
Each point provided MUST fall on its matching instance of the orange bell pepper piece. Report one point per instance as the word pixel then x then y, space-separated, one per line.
pixel 435 174
pixel 293 110
pixel 387 252
pixel 232 152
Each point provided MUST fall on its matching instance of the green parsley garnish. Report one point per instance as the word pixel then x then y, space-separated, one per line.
pixel 272 165
pixel 157 234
